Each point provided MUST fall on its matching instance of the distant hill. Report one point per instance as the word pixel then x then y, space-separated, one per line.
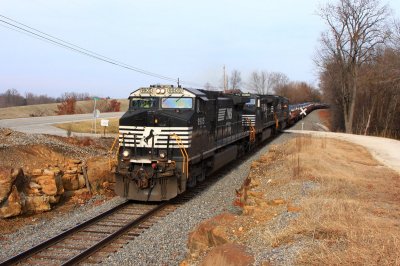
pixel 50 109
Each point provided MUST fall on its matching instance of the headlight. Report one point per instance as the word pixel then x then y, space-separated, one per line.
pixel 126 154
pixel 158 91
pixel 163 154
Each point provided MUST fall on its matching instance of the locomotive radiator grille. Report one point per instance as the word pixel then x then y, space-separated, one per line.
pixel 247 119
pixel 146 136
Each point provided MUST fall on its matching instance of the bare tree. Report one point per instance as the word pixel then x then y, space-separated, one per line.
pixel 258 82
pixel 236 80
pixel 11 97
pixel 277 80
pixel 266 82
pixel 355 28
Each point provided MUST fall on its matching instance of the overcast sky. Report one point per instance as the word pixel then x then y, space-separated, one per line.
pixel 190 40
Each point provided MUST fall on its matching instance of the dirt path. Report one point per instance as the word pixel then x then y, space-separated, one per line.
pixel 386 151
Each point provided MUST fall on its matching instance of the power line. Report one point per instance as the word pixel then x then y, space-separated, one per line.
pixel 32 32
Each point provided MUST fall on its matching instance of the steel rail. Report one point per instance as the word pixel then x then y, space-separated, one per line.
pixel 86 253
pixel 28 253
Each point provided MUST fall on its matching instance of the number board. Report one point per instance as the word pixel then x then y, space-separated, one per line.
pixel 146 90
pixel 175 90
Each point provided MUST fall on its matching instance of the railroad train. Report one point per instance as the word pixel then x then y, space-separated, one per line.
pixel 173 137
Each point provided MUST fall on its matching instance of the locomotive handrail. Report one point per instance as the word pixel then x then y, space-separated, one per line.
pixel 252 133
pixel 110 152
pixel 184 154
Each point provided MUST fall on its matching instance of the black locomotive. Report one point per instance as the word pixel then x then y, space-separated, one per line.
pixel 172 137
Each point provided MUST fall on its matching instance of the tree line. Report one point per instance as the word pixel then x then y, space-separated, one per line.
pixel 12 97
pixel 265 82
pixel 359 62
pixel 67 101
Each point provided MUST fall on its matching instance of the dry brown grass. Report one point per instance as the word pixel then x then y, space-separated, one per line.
pixel 353 216
pixel 326 117
pixel 49 109
pixel 88 127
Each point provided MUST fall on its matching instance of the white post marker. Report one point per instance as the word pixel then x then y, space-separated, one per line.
pixel 303 114
pixel 96 115
pixel 104 124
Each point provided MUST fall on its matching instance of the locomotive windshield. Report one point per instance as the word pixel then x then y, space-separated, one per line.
pixel 251 105
pixel 177 103
pixel 144 103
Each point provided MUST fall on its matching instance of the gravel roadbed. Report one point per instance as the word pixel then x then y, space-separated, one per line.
pixel 165 243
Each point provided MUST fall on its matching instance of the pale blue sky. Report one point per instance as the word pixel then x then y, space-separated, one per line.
pixel 191 40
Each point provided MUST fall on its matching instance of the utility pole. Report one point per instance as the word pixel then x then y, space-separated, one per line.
pixel 224 79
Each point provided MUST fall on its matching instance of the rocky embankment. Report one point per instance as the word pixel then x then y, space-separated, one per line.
pixel 39 190
pixel 309 201
pixel 38 170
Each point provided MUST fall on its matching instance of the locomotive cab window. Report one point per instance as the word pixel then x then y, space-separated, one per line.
pixel 177 103
pixel 143 103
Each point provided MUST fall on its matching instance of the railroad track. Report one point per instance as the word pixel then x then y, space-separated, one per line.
pixel 93 240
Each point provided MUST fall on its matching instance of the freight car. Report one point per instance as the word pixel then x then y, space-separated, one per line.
pixel 173 137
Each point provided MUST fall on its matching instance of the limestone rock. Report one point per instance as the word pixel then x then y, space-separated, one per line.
pixel 59 184
pixel 48 184
pixel 37 203
pixel 6 182
pixel 13 205
pixel 54 199
pixel 210 233
pixel 33 188
pixel 228 254
pixel 98 171
pixel 81 180
pixel 74 161
pixel 37 172
pixel 8 179
pixel 73 170
pixel 48 172
pixel 70 181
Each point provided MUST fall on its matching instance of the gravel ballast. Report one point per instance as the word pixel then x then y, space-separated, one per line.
pixel 165 243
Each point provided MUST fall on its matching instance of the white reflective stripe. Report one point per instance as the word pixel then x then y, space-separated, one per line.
pixel 158 146
pixel 157 143
pixel 246 118
pixel 221 114
pixel 157 137
pixel 160 137
pixel 131 127
pixel 162 128
pixel 140 161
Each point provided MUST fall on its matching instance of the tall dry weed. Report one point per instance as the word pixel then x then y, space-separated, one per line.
pixel 353 215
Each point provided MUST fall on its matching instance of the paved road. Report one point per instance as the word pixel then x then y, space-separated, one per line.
pixel 44 124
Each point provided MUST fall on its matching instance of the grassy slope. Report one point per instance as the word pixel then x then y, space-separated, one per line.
pixel 49 109
pixel 316 201
pixel 88 127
